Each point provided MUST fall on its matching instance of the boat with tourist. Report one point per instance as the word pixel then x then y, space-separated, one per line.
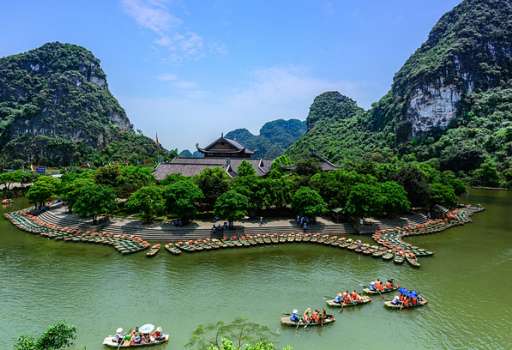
pixel 406 299
pixel 379 287
pixel 346 299
pixel 143 336
pixel 309 318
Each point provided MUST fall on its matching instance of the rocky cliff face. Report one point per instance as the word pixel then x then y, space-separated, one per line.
pixel 55 106
pixel 469 50
pixel 449 104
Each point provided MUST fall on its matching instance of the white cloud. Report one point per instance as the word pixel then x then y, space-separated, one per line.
pixel 155 16
pixel 168 77
pixel 192 115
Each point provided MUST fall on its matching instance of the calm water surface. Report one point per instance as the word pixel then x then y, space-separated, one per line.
pixel 467 282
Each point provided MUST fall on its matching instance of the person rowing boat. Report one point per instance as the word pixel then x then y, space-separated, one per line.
pixel 309 318
pixel 145 335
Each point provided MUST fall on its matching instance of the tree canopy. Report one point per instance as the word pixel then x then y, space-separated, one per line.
pixel 182 198
pixel 231 205
pixel 56 337
pixel 148 200
pixel 213 182
pixel 94 200
pixel 308 202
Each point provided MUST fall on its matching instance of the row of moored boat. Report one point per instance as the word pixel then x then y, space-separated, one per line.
pixel 124 243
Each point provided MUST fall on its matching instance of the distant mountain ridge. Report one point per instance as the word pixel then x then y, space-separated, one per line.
pixel 56 109
pixel 450 104
pixel 274 137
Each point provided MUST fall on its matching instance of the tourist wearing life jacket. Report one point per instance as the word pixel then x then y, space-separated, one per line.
pixel 354 296
pixel 315 316
pixel 346 297
pixel 389 284
pixel 307 315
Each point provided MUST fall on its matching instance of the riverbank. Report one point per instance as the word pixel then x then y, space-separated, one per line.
pixel 389 244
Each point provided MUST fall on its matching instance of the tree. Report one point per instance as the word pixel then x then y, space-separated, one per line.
pixel 443 195
pixel 394 198
pixel 335 186
pixel 364 200
pixel 17 176
pixel 308 202
pixel 275 192
pixel 94 200
pixel 227 344
pixel 70 190
pixel 415 184
pixel 149 200
pixel 181 198
pixel 108 175
pixel 245 169
pixel 231 205
pixel 307 167
pixel 449 178
pixel 238 334
pixel 42 190
pixel 131 178
pixel 213 182
pixel 487 174
pixel 56 337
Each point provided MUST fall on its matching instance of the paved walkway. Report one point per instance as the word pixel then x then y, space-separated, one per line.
pixel 196 230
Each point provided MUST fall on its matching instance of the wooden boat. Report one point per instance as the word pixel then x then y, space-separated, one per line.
pixel 390 305
pixel 285 321
pixel 306 237
pixel 274 239
pixel 111 343
pixel 378 253
pixel 345 244
pixel 374 292
pixel 282 239
pixel 299 237
pixel 388 256
pixel 399 259
pixel 364 300
pixel 172 249
pixel 412 261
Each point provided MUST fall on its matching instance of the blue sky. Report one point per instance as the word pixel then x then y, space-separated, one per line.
pixel 192 69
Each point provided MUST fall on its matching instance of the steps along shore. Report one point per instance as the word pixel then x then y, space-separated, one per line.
pixel 389 244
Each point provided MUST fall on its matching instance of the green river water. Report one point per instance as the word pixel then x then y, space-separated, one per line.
pixel 467 282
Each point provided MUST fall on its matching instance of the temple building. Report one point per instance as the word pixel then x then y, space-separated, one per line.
pixel 223 153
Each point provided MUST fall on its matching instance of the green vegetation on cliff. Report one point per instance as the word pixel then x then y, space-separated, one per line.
pixel 56 109
pixel 449 105
pixel 274 137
